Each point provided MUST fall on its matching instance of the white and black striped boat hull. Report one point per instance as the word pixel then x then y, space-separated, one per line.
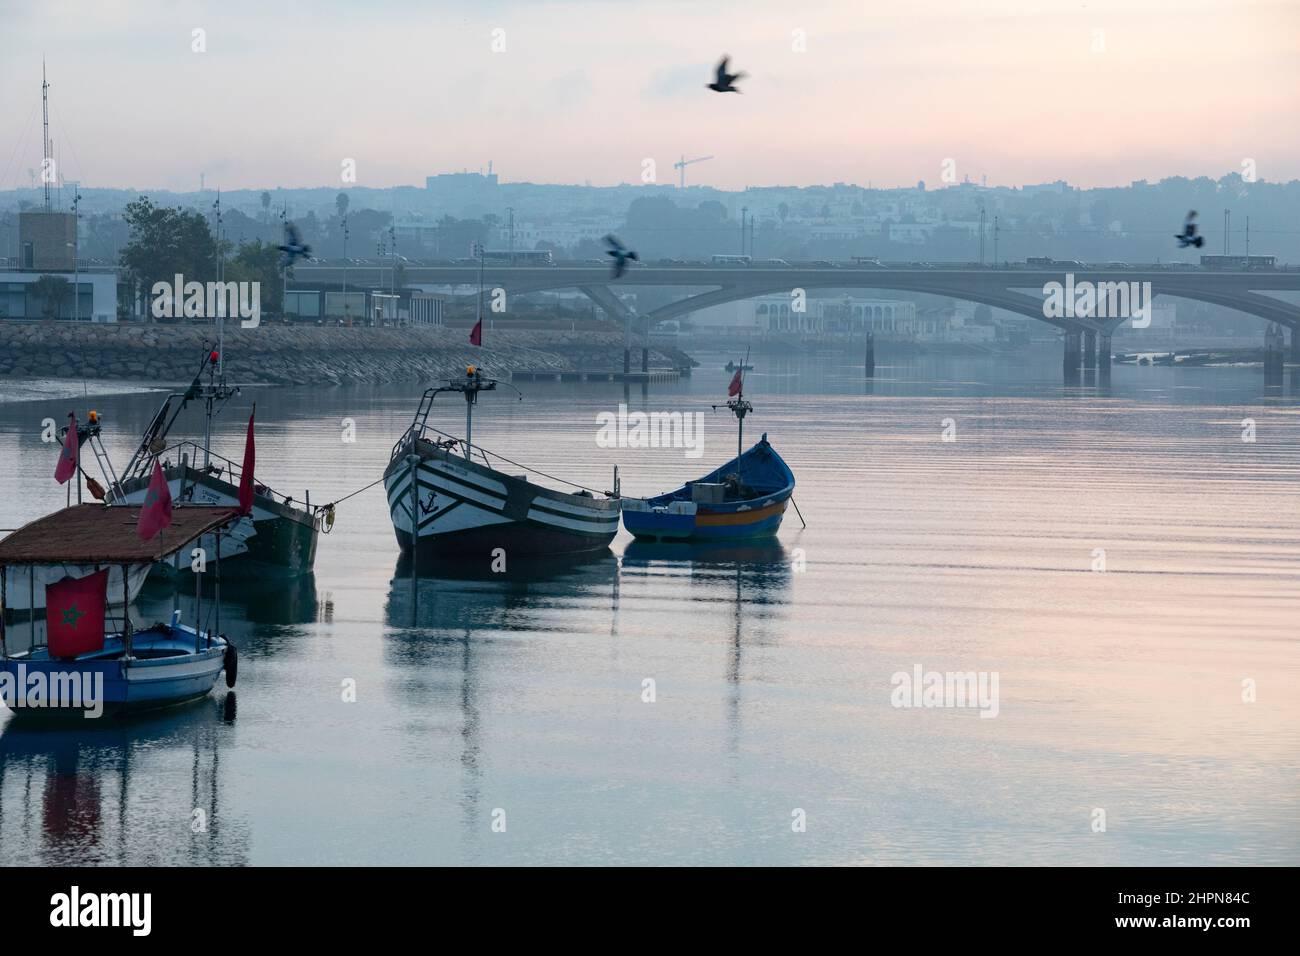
pixel 464 507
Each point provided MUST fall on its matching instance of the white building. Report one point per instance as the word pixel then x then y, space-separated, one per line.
pixel 778 315
pixel 96 299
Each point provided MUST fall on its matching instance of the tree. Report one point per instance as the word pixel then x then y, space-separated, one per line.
pixel 165 243
pixel 340 204
pixel 52 290
pixel 457 236
pixel 259 261
pixel 783 211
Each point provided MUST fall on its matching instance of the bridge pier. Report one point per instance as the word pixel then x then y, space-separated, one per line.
pixel 870 357
pixel 1090 350
pixel 1295 344
pixel 1070 363
pixel 645 359
pixel 1103 358
pixel 627 360
pixel 1274 357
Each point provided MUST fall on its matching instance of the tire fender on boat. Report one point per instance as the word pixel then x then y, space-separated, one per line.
pixel 231 664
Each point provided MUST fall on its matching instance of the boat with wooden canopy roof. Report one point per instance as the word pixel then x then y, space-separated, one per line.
pixel 83 666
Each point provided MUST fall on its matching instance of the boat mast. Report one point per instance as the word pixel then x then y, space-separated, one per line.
pixel 215 390
pixel 221 277
pixel 47 161
pixel 473 384
pixel 469 386
pixel 740 408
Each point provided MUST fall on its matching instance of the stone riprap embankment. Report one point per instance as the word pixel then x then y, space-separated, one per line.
pixel 288 355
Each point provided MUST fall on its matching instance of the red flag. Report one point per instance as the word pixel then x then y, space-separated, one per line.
pixel 157 511
pixel 67 466
pixel 734 387
pixel 74 614
pixel 476 335
pixel 246 472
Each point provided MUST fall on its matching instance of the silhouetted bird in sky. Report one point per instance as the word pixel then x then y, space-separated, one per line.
pixel 1189 236
pixel 621 254
pixel 724 82
pixel 293 247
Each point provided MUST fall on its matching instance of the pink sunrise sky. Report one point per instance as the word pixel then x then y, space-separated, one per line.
pixel 585 91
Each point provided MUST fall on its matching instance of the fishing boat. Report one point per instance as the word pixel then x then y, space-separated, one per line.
pixel 25 602
pixel 82 668
pixel 279 536
pixel 745 498
pixel 443 502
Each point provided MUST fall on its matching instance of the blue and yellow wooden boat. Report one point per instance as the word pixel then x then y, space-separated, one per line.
pixel 745 498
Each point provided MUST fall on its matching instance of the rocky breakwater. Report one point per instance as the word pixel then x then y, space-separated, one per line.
pixel 299 355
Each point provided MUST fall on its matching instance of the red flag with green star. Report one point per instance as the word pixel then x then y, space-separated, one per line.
pixel 157 511
pixel 74 614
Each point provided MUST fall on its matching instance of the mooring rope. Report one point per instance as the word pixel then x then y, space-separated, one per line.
pixel 339 501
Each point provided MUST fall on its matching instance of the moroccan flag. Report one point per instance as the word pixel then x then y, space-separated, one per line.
pixel 67 466
pixel 476 334
pixel 734 387
pixel 74 614
pixel 157 511
pixel 246 472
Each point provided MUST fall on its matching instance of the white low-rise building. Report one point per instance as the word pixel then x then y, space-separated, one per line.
pixel 777 315
pixel 95 301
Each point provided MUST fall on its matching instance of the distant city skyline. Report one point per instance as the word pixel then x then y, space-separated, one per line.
pixel 1096 94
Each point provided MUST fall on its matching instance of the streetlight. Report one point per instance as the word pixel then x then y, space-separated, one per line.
pixel 76 260
pixel 743 211
pixel 221 275
pixel 392 266
pixel 347 313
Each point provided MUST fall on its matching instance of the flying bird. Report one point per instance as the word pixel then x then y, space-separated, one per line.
pixel 724 83
pixel 1189 236
pixel 293 248
pixel 621 254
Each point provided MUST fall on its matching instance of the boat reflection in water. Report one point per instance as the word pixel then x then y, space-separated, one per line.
pixel 144 790
pixel 269 599
pixel 753 577
pixel 454 633
pixel 461 597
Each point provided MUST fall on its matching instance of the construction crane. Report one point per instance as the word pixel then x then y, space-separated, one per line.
pixel 682 164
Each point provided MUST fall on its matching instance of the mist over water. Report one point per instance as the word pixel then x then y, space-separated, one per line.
pixel 772 663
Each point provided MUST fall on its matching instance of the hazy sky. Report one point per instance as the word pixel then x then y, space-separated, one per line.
pixel 584 91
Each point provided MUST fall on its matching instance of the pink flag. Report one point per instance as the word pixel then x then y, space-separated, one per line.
pixel 246 472
pixel 67 466
pixel 735 386
pixel 157 511
pixel 476 335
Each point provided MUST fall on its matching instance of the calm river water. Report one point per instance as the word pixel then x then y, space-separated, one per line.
pixel 1160 691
